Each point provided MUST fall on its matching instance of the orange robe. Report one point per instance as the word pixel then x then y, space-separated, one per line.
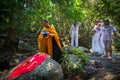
pixel 45 43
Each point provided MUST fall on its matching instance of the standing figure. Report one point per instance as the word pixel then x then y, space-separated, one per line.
pixel 97 41
pixel 108 30
pixel 48 41
pixel 74 33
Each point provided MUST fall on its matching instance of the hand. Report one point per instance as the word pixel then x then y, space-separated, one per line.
pixel 48 33
pixel 93 31
pixel 45 35
pixel 115 36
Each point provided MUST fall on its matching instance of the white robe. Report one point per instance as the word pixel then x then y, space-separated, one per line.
pixel 98 45
pixel 74 34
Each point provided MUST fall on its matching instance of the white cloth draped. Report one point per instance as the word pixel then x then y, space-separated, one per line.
pixel 97 44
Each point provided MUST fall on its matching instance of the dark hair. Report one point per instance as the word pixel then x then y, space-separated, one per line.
pixel 45 20
pixel 106 19
pixel 97 20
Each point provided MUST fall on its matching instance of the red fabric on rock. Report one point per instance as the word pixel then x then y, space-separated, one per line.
pixel 28 65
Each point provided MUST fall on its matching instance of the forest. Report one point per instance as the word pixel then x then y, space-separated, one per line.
pixel 21 21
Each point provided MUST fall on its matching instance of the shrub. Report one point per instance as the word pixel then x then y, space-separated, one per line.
pixel 117 43
pixel 74 59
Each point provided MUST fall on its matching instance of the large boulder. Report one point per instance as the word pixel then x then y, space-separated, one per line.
pixel 73 60
pixel 48 70
pixel 92 67
pixel 73 64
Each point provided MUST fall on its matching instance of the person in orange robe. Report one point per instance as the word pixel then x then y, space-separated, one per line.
pixel 48 41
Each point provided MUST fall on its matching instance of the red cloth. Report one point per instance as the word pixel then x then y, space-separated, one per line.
pixel 28 65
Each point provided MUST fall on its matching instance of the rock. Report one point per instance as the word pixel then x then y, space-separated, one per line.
pixel 72 50
pixel 72 64
pixel 96 63
pixel 25 46
pixel 73 60
pixel 84 49
pixel 17 61
pixel 5 61
pixel 92 67
pixel 89 69
pixel 48 70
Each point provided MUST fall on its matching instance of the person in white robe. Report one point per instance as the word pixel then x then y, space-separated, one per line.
pixel 97 40
pixel 74 33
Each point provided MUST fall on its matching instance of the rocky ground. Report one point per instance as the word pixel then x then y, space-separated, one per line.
pixel 106 70
pixel 109 70
pixel 102 68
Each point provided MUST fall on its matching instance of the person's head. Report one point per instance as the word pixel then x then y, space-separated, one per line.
pixel 45 23
pixel 75 22
pixel 99 24
pixel 106 21
pixel 97 21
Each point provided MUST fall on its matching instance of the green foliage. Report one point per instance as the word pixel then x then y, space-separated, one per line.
pixel 97 9
pixel 18 19
pixel 74 13
pixel 74 58
pixel 117 43
pixel 73 10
